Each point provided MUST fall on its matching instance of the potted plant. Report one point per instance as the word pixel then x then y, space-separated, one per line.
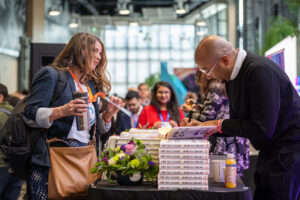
pixel 127 164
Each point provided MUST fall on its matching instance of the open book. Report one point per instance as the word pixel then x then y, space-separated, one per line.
pixel 189 132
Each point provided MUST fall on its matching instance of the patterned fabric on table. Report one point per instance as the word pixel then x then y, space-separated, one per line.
pixel 215 105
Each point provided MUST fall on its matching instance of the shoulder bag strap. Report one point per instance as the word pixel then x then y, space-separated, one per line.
pixel 5 111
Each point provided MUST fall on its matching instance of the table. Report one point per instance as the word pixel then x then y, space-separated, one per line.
pixel 106 191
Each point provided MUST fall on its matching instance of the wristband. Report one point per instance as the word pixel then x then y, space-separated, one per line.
pixel 219 125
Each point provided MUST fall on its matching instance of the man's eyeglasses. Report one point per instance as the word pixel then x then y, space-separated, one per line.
pixel 210 71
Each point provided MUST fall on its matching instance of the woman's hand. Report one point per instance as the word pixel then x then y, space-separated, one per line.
pixel 184 122
pixel 186 107
pixel 173 123
pixel 111 110
pixel 76 107
pixel 157 125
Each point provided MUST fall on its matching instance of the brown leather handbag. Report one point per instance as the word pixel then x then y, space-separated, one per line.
pixel 69 174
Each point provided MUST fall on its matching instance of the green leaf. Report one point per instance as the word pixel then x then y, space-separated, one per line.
pixel 94 170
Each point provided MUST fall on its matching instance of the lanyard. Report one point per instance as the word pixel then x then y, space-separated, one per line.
pixel 161 117
pixel 134 120
pixel 80 88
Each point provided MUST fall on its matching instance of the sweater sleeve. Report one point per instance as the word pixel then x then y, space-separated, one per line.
pixel 264 96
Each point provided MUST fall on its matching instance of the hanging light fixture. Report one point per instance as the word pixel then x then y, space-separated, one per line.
pixel 123 7
pixel 200 22
pixel 54 10
pixel 180 8
pixel 133 23
pixel 74 21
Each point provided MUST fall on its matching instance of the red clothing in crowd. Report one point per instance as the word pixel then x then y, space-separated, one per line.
pixel 150 115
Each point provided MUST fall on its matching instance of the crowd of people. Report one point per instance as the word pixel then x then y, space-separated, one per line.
pixel 244 95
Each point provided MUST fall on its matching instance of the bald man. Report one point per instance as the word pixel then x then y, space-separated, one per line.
pixel 264 107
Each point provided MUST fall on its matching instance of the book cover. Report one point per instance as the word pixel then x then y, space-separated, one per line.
pixel 189 132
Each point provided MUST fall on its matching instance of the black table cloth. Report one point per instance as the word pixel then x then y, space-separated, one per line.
pixel 106 191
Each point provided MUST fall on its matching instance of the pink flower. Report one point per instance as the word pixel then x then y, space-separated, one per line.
pixel 131 142
pixel 130 149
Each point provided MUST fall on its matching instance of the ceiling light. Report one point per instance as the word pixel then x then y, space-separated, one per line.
pixel 123 7
pixel 124 12
pixel 133 23
pixel 180 11
pixel 200 23
pixel 181 7
pixel 201 33
pixel 54 10
pixel 73 22
pixel 73 25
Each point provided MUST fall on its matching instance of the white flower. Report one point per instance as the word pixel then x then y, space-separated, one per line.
pixel 111 161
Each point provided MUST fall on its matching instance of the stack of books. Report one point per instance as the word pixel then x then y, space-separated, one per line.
pixel 183 164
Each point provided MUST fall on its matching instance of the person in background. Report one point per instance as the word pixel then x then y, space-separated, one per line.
pixel 191 95
pixel 10 185
pixel 215 105
pixel 134 106
pixel 13 100
pixel 164 110
pixel 132 89
pixel 19 95
pixel 83 60
pixel 264 107
pixel 143 90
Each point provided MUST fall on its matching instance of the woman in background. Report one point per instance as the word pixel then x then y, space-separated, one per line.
pixel 164 110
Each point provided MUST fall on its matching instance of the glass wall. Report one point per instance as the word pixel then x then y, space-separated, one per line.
pixel 216 18
pixel 134 53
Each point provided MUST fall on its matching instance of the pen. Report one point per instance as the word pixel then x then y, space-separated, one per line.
pixel 190 115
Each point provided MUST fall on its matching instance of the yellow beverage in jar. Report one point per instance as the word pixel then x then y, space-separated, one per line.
pixel 230 171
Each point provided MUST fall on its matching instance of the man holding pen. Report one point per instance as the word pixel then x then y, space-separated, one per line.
pixel 264 107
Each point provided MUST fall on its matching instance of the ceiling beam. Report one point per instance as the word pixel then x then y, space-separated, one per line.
pixel 91 8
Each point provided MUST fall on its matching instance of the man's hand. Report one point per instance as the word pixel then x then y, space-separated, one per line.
pixel 210 123
pixel 184 122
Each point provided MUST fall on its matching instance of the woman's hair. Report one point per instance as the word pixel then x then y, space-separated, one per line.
pixel 205 84
pixel 202 81
pixel 73 56
pixel 172 105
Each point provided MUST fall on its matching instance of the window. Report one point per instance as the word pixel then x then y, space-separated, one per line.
pixel 134 53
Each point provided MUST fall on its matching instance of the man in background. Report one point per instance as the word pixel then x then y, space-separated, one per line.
pixel 134 106
pixel 144 94
pixel 10 185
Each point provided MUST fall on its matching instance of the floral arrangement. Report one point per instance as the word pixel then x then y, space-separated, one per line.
pixel 128 159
